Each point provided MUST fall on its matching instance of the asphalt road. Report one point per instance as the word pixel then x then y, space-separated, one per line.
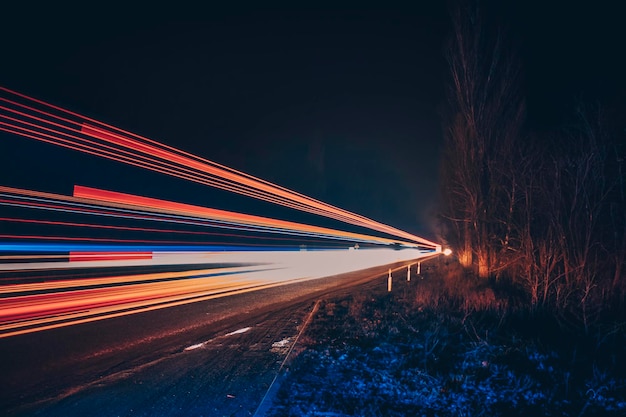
pixel 210 358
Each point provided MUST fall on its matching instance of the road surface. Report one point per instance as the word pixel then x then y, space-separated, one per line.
pixel 215 357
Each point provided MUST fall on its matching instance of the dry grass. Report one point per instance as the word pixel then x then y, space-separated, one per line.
pixel 448 344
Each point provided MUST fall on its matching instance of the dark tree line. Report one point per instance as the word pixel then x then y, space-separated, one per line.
pixel 546 210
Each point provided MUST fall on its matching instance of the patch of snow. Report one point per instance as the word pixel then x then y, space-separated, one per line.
pixel 282 346
pixel 282 343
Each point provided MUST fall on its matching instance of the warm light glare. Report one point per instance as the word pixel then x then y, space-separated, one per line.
pixel 447 251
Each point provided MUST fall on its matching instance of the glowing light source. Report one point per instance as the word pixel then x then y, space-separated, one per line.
pixel 447 251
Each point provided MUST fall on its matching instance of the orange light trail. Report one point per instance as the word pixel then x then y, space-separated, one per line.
pixel 138 229
pixel 102 199
pixel 53 279
pixel 78 132
pixel 98 226
pixel 30 307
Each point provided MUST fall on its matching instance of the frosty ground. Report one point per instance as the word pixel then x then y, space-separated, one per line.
pixel 449 344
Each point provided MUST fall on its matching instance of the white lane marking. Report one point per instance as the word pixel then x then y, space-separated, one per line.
pixel 245 329
pixel 192 347
pixel 203 344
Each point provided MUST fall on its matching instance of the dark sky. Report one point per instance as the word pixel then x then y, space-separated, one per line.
pixel 340 104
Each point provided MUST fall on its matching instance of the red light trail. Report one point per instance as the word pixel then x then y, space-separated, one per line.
pixel 95 201
pixel 70 129
pixel 105 232
pixel 30 307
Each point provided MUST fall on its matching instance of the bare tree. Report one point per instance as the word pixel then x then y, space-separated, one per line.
pixel 548 211
pixel 486 115
pixel 568 242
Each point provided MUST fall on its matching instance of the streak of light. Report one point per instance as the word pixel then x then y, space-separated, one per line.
pixel 107 256
pixel 143 229
pixel 109 202
pixel 31 307
pixel 182 272
pixel 13 257
pixel 45 122
pixel 113 280
pixel 97 239
pixel 127 200
pixel 99 226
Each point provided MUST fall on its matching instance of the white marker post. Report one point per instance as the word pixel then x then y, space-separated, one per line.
pixel 389 281
pixel 419 268
pixel 408 272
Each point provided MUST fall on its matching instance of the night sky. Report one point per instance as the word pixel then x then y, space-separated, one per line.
pixel 340 104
